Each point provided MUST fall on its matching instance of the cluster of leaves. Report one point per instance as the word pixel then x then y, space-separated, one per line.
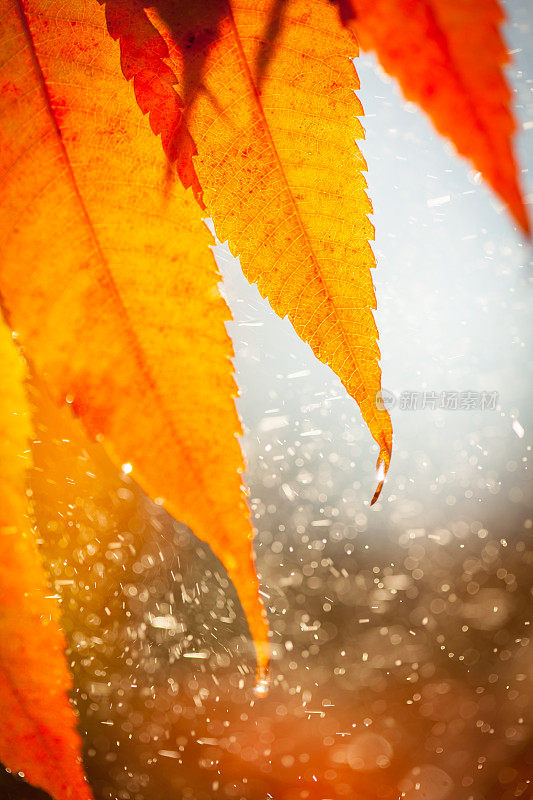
pixel 106 271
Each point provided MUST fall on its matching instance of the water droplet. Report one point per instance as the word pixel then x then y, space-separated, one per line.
pixel 261 688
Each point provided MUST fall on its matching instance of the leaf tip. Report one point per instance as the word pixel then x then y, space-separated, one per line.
pixel 382 467
pixel 262 678
pixel 377 493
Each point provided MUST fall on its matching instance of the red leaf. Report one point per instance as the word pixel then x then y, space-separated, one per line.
pixel 448 56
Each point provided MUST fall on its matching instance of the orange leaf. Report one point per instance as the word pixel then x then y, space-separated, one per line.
pixel 273 115
pixel 118 305
pixel 448 56
pixel 38 731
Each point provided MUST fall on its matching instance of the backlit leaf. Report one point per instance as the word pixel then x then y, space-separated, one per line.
pixel 449 57
pixel 38 726
pixel 118 307
pixel 273 116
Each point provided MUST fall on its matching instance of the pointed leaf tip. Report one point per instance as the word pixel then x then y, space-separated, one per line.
pixel 444 55
pixel 382 466
pixel 243 575
pixel 377 492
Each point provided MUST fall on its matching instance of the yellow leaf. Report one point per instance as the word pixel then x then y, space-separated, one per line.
pixel 269 101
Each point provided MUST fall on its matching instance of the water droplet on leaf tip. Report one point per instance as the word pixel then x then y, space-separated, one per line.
pixel 261 688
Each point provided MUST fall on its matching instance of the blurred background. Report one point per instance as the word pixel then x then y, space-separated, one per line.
pixel 402 664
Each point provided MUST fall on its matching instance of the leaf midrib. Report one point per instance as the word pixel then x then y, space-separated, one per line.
pixel 137 347
pixel 294 204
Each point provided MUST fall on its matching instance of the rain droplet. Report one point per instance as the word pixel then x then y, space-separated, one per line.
pixel 261 688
